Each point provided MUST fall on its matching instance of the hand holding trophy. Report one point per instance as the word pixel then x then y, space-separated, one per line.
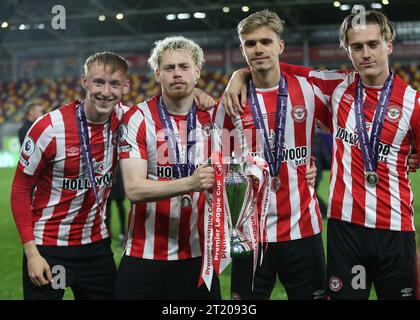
pixel 235 212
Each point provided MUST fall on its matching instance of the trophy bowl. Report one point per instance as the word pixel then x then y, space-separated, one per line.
pixel 239 201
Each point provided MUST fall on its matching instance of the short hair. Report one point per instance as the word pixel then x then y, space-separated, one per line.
pixel 263 18
pixel 371 17
pixel 172 44
pixel 109 60
pixel 33 104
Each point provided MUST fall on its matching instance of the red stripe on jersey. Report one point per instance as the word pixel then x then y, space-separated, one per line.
pixel 162 221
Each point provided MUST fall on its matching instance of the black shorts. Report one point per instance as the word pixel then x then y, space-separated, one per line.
pixel 88 269
pixel 299 265
pixel 145 279
pixel 359 256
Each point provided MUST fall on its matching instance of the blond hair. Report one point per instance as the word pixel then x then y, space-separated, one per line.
pixel 109 60
pixel 175 43
pixel 371 17
pixel 263 18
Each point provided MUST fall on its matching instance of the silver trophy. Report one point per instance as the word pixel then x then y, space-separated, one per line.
pixel 241 205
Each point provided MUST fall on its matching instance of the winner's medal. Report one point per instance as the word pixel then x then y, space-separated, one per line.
pixel 275 184
pixel 186 201
pixel 372 177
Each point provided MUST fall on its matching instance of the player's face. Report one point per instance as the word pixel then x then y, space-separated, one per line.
pixel 36 112
pixel 177 74
pixel 261 49
pixel 369 53
pixel 103 91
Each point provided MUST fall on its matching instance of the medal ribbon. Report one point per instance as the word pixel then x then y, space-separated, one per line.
pixel 184 169
pixel 83 132
pixel 369 147
pixel 274 162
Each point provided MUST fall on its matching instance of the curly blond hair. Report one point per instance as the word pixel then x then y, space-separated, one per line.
pixel 172 44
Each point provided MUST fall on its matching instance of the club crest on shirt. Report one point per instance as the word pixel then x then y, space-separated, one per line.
pixel 298 113
pixel 335 284
pixel 28 146
pixel 122 132
pixel 393 113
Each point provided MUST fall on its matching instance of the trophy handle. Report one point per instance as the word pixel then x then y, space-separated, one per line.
pixel 248 205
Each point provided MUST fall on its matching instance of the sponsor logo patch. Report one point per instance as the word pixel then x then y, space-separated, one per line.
pixel 348 97
pixel 122 132
pixel 318 294
pixel 126 148
pixel 23 162
pixel 28 146
pixel 247 121
pixel 407 292
pixel 72 151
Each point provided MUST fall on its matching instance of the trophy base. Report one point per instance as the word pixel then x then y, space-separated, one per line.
pixel 240 246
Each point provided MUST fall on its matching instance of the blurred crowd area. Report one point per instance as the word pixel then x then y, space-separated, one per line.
pixel 51 93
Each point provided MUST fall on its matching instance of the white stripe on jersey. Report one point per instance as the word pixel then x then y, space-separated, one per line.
pixel 149 241
pixel 174 218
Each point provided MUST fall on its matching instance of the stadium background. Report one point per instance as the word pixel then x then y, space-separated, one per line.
pixel 41 63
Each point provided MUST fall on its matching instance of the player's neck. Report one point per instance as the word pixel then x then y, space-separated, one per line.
pixel 181 105
pixel 375 80
pixel 94 117
pixel 266 79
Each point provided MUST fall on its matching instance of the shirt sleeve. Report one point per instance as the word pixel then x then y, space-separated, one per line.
pixel 38 147
pixel 325 81
pixel 415 122
pixel 132 135
pixel 21 205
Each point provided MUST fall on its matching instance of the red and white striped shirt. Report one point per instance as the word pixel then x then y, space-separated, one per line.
pixel 389 204
pixel 293 210
pixel 64 208
pixel 163 230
